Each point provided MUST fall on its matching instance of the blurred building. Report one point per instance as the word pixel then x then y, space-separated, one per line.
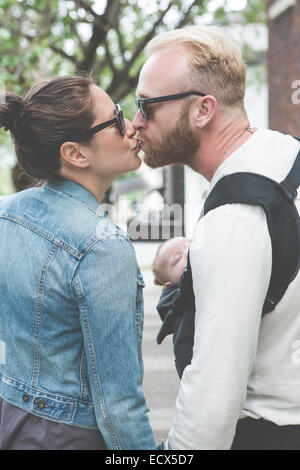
pixel 284 65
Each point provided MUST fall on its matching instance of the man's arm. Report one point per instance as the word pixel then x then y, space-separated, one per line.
pixel 231 263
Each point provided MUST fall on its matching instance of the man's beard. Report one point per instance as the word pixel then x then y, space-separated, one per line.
pixel 178 146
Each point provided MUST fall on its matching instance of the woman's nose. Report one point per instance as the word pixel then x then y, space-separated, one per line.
pixel 138 121
pixel 130 130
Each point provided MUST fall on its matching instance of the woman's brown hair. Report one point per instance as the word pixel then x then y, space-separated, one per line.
pixel 50 113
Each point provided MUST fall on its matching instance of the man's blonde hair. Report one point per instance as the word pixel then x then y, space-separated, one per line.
pixel 217 67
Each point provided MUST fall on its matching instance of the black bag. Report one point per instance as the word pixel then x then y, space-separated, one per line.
pixel 277 200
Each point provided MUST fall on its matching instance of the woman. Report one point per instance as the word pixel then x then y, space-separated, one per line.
pixel 71 291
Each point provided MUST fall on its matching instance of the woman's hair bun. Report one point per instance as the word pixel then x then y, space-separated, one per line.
pixel 12 109
pixel 48 114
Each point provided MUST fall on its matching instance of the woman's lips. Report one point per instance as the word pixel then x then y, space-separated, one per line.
pixel 138 146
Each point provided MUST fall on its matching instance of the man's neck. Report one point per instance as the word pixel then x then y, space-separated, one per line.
pixel 219 142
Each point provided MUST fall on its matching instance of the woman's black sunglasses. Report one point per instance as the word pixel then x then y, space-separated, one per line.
pixel 142 103
pixel 118 120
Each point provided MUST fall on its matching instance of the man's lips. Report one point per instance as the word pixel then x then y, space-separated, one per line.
pixel 138 145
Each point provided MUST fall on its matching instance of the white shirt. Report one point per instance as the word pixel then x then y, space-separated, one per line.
pixel 243 364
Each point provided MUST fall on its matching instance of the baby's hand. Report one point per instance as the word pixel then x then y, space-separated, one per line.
pixel 167 284
pixel 158 283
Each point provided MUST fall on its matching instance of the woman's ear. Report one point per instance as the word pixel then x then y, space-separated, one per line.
pixel 71 154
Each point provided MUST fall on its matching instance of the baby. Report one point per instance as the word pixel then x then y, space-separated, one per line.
pixel 170 261
pixel 174 310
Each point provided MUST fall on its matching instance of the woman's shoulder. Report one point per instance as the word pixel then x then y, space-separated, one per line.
pixel 72 225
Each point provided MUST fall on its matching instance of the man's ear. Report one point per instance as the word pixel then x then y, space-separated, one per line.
pixel 204 110
pixel 71 154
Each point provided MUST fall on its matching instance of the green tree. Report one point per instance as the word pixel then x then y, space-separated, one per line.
pixel 43 38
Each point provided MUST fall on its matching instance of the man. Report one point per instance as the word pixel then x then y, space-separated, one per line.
pixel 243 364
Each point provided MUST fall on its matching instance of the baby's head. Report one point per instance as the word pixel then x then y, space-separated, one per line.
pixel 170 261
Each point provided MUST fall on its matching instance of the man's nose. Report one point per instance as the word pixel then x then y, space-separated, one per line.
pixel 138 121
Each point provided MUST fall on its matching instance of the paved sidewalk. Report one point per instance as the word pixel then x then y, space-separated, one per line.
pixel 161 381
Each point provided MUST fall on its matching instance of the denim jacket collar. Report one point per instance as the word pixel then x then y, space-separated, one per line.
pixel 75 191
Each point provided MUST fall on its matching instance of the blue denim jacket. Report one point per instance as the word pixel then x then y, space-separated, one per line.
pixel 71 314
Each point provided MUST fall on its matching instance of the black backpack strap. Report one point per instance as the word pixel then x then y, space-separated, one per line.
pixel 282 218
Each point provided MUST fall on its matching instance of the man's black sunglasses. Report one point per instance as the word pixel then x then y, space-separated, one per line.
pixel 118 120
pixel 142 103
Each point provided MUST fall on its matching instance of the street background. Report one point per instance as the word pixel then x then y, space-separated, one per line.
pixel 161 381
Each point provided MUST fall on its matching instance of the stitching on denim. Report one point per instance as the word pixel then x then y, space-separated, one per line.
pixel 75 199
pixel 39 314
pixel 109 235
pixel 139 321
pixel 78 291
pixel 43 233
pixel 99 240
pixel 15 383
pixel 56 240
pixel 49 417
pixel 83 375
pixel 69 412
